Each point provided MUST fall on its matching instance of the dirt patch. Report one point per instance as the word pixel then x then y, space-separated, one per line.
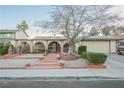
pixel 70 57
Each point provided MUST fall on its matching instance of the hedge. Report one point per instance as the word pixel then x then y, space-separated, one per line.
pixel 95 58
pixel 82 49
pixel 5 49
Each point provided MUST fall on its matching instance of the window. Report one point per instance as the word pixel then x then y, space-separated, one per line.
pixel 6 35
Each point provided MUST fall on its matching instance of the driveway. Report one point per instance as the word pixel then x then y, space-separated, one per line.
pixel 115 61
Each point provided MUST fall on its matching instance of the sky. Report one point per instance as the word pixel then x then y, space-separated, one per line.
pixel 11 15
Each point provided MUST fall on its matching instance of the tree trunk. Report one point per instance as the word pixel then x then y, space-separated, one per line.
pixel 71 48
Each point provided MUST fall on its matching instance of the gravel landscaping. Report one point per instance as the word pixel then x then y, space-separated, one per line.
pixel 16 63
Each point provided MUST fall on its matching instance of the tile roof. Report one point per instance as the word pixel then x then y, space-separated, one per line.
pixel 101 38
pixel 50 38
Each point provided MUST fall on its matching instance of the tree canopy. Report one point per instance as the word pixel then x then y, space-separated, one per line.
pixel 22 26
pixel 74 21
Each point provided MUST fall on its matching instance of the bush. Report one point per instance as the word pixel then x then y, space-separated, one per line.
pixel 84 55
pixel 95 58
pixel 82 49
pixel 5 49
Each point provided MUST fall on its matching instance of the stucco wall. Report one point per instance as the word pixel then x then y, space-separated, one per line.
pixel 97 46
pixel 113 46
pixel 20 35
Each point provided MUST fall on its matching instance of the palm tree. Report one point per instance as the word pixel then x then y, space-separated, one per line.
pixel 23 26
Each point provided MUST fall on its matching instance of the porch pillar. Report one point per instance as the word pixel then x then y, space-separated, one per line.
pixel 46 47
pixel 31 46
pixel 62 47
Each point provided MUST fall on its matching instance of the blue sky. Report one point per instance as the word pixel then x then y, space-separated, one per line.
pixel 10 16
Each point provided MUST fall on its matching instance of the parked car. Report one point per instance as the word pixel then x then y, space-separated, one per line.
pixel 120 49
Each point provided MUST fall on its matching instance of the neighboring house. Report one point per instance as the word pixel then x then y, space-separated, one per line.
pixel 100 44
pixel 7 35
pixel 10 35
pixel 21 35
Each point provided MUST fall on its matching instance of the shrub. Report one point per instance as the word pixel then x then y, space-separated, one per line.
pixel 84 55
pixel 82 49
pixel 2 52
pixel 5 49
pixel 96 58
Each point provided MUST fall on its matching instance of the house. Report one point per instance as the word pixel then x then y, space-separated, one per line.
pixel 10 36
pixel 100 44
pixel 7 35
pixel 58 44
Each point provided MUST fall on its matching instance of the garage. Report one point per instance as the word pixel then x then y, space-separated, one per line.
pixel 100 44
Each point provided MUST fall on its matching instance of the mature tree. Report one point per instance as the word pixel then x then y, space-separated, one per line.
pixel 93 32
pixel 107 30
pixel 118 30
pixel 75 20
pixel 23 26
pixel 112 30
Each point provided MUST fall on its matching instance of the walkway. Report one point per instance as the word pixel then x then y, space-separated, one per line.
pixel 49 61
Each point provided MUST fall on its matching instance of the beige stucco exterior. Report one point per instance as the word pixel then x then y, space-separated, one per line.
pixel 108 46
pixel 94 44
pixel 21 35
pixel 113 46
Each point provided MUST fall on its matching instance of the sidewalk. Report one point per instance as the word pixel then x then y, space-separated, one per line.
pixel 30 73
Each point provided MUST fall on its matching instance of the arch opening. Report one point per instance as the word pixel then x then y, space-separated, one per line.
pixel 54 47
pixel 39 47
pixel 66 48
pixel 24 48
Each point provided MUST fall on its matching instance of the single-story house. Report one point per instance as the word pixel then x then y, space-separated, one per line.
pixel 100 44
pixel 18 38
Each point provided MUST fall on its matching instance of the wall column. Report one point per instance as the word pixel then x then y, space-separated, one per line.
pixel 46 47
pixel 62 47
pixel 31 46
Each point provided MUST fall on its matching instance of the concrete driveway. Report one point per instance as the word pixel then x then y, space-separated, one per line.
pixel 115 61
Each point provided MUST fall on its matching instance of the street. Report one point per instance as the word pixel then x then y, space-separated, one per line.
pixel 99 83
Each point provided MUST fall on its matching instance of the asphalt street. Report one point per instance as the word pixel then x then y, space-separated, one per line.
pixel 69 83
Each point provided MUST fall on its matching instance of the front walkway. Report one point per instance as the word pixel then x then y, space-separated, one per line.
pixel 50 61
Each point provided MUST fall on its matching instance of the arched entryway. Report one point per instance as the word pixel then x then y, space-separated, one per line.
pixel 39 47
pixel 24 47
pixel 54 47
pixel 65 47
